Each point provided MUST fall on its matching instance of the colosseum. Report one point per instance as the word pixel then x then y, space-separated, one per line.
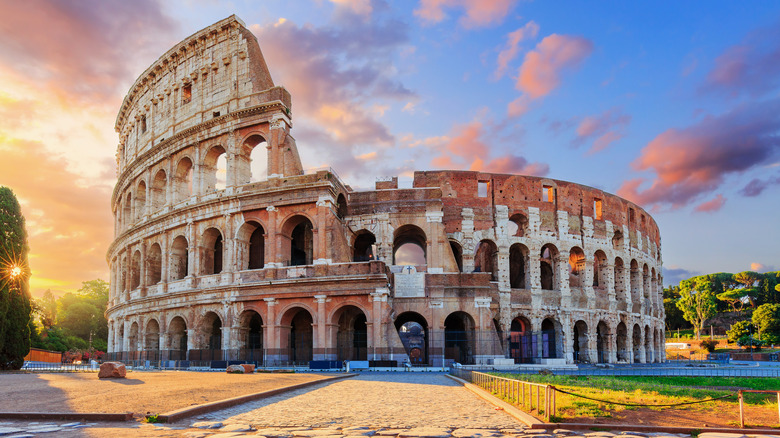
pixel 215 260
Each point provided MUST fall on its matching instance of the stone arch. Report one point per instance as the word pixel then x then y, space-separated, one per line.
pixel 254 166
pixel 127 210
pixel 409 246
pixel 521 340
pixel 211 330
pixel 649 353
pixel 250 239
pixel 251 334
pixel 154 264
pixel 551 338
pixel 213 251
pixel 183 180
pixel 158 190
pixel 177 338
pixel 620 284
pixel 518 266
pixel 547 267
pixel 459 337
pixel 297 335
pixel 580 337
pixel 576 267
pixel 299 245
pixel 603 342
pixel 363 246
pixel 413 330
pixel 351 333
pixel 486 258
pixel 120 338
pixel 518 225
pixel 213 172
pixel 645 283
pixel 135 270
pixel 622 343
pixel 636 283
pixel 152 335
pixel 617 240
pixel 636 342
pixel 140 201
pixel 179 266
pixel 457 253
pixel 600 271
pixel 132 337
pixel 341 206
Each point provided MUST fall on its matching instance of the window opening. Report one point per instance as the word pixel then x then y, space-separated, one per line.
pixel 597 209
pixel 482 188
pixel 548 194
pixel 186 94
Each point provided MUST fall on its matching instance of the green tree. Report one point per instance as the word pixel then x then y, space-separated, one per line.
pixel 766 319
pixel 697 300
pixel 738 330
pixel 15 307
pixel 674 316
pixel 46 309
pixel 83 314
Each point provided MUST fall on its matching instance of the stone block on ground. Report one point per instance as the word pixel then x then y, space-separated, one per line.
pixel 112 370
pixel 235 369
pixel 248 368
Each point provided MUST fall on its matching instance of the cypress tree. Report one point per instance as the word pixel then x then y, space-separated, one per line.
pixel 15 307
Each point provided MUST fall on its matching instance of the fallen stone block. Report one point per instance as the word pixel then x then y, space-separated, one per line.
pixel 235 369
pixel 112 370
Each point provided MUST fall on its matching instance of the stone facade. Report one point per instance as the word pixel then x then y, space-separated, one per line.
pixel 289 267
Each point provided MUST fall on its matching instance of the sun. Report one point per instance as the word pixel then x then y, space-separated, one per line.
pixel 15 271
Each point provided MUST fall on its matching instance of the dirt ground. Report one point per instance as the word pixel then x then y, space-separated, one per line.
pixel 717 414
pixel 141 392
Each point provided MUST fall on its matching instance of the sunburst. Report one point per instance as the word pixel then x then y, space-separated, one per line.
pixel 13 269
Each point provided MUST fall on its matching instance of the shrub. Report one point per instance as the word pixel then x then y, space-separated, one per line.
pixel 709 345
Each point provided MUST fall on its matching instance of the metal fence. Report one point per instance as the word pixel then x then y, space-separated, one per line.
pixel 531 397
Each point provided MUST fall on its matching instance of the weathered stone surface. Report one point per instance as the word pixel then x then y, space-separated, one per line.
pixel 236 428
pixel 426 432
pixel 112 370
pixel 236 369
pixel 476 433
pixel 248 368
pixel 207 424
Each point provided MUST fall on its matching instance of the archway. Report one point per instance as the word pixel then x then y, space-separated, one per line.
pixel 182 180
pixel 135 270
pixel 140 201
pixel 518 257
pixel 251 246
pixel 622 343
pixel 212 252
pixel 214 169
pixel 459 339
pixel 409 246
pixel 179 258
pixel 603 345
pixel 547 266
pixel 486 259
pixel 341 206
pixel 637 343
pixel 517 225
pixel 580 336
pixel 300 340
pixel 600 271
pixel 177 335
pixel 300 231
pixel 364 246
pixel 159 184
pixel 351 334
pixel 256 148
pixel 649 353
pixel 521 340
pixel 154 264
pixel 550 331
pixel 152 340
pixel 576 267
pixel 211 340
pixel 620 284
pixel 457 253
pixel 132 339
pixel 413 331
pixel 251 329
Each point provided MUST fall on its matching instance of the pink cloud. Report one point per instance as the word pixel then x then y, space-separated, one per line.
pixel 712 205
pixel 693 162
pixel 756 186
pixel 511 164
pixel 477 13
pixel 512 47
pixel 542 67
pixel 760 267
pixel 603 129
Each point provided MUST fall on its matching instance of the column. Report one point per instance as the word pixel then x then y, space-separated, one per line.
pixel 562 273
pixel 379 302
pixel 320 344
pixel 270 333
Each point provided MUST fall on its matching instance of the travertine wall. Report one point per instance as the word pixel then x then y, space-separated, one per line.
pixel 298 266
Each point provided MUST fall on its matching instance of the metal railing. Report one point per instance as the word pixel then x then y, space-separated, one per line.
pixel 528 396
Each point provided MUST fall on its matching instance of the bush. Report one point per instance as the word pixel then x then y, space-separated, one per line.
pixel 709 345
pixel 749 341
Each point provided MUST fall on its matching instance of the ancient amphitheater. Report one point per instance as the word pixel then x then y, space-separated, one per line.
pixel 211 262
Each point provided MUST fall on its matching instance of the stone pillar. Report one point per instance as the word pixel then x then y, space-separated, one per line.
pixel 467 227
pixel 193 251
pixel 437 241
pixel 271 342
pixel 324 205
pixel 320 329
pixel 376 340
pixel 533 278
pixel 609 278
pixel 586 281
pixel 191 341
pixel 562 273
pixel 164 262
pixel 273 256
pixel 593 351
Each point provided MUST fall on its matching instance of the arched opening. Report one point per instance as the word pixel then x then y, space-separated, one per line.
pixel 179 258
pixel 132 339
pixel 636 342
pixel 521 341
pixel 603 344
pixel 646 285
pixel 214 170
pixel 580 336
pixel 620 284
pixel 341 206
pixel 409 246
pixel 152 338
pixel 177 335
pixel 363 247
pixel 127 211
pixel 299 340
pixel 212 252
pixel 413 331
pixel 158 190
pixel 459 339
pixel 300 249
pixel 256 148
pixel 622 343
pixel 351 334
pixel 154 264
pixel 547 266
pixel 457 253
pixel 518 224
pixel 576 267
pixel 600 272
pixel 135 270
pixel 140 201
pixel 649 353
pixel 250 240
pixel 182 180
pixel 120 339
pixel 211 341
pixel 251 329
pixel 550 332
pixel 657 357
pixel 636 284
pixel 518 258
pixel 486 259
pixel 617 240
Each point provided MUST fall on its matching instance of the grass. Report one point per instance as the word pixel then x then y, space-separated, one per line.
pixel 646 390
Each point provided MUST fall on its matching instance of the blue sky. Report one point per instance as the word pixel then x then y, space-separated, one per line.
pixel 673 105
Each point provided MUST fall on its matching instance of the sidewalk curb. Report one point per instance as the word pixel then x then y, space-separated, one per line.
pixel 76 416
pixel 524 417
pixel 649 428
pixel 179 414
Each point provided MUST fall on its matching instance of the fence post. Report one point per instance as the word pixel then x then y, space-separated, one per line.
pixel 547 402
pixel 741 411
pixel 778 405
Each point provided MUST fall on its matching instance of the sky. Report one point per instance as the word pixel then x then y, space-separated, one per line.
pixel 672 105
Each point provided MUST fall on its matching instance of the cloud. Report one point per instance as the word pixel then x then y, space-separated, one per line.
pixel 464 148
pixel 673 276
pixel 762 268
pixel 542 67
pixel 751 67
pixel 359 7
pixel 69 222
pixel 603 129
pixel 756 186
pixel 693 161
pixel 477 13
pixel 712 205
pixel 87 50
pixel 512 47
